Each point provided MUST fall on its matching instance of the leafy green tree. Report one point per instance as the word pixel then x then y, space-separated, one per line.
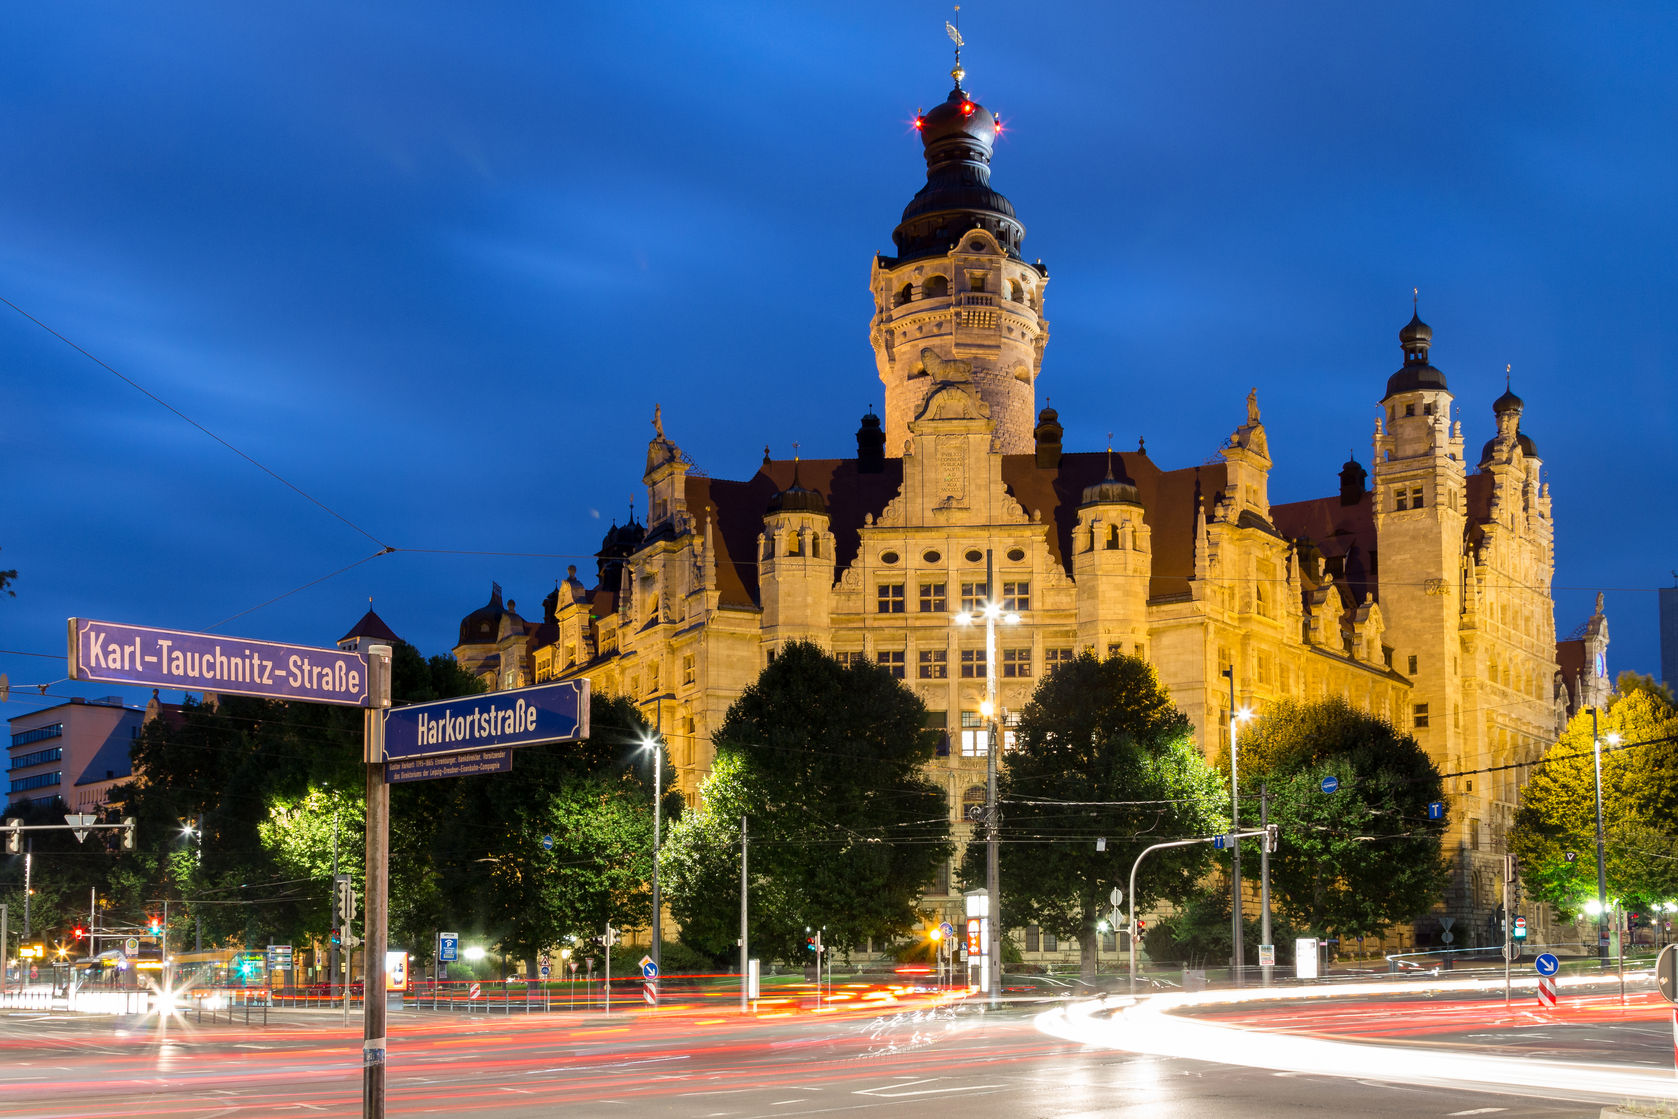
pixel 1100 752
pixel 1639 746
pixel 825 761
pixel 1355 861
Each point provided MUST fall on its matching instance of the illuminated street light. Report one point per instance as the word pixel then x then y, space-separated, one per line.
pixel 1237 948
pixel 993 613
pixel 1601 912
pixel 474 953
pixel 657 747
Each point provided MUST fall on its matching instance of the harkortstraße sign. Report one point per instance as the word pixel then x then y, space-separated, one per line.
pixel 522 717
pixel 114 653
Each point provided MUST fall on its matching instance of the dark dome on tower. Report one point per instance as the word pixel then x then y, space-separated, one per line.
pixel 1416 337
pixel 958 136
pixel 796 499
pixel 1508 402
pixel 1112 490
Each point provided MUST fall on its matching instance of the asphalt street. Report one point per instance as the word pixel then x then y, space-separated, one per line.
pixel 953 1060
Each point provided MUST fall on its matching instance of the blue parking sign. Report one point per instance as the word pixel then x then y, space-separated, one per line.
pixel 448 947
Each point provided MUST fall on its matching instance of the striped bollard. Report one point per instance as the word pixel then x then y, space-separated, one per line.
pixel 1547 992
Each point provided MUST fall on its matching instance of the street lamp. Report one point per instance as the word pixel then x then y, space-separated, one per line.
pixel 1238 951
pixel 1601 910
pixel 992 612
pixel 657 747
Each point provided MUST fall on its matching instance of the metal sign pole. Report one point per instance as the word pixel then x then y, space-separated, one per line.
pixel 376 892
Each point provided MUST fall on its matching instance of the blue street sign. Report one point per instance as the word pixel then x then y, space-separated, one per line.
pixel 166 658
pixel 649 970
pixel 522 717
pixel 448 947
pixel 545 970
pixel 547 843
pixel 1436 810
pixel 1547 964
pixel 947 930
pixel 431 767
pixel 1330 784
pixel 1219 842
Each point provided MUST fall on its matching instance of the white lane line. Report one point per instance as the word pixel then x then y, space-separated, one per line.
pixel 891 1091
pixel 1478 1111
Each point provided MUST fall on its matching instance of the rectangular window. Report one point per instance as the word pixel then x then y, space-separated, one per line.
pixel 975 736
pixel 1113 650
pixel 1409 409
pixel 39 734
pixel 1427 409
pixel 934 664
pixel 50 754
pixel 1416 498
pixel 893 661
pixel 1016 596
pixel 1421 715
pixel 687 669
pixel 1032 937
pixel 1412 672
pixel 1473 834
pixel 1016 662
pixel 890 600
pixel 972 664
pixel 1055 657
pixel 1109 941
pixel 1401 503
pixel 972 597
pixel 1052 944
pixel 38 781
pixel 934 599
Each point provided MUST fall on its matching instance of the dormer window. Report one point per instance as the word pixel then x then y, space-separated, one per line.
pixel 1409 409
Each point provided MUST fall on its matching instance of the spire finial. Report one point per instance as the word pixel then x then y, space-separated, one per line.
pixel 1506 370
pixel 953 30
pixel 795 450
pixel 1109 454
pixel 1416 300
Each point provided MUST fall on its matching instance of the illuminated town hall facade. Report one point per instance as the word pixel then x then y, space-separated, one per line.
pixel 1421 594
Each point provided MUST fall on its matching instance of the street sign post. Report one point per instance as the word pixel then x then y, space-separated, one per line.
pixel 1666 973
pixel 113 653
pixel 448 947
pixel 1436 810
pixel 131 947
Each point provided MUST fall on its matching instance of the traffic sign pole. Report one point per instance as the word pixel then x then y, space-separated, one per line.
pixel 376 894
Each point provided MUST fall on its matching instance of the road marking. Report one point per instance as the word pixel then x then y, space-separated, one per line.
pixel 882 1091
pixel 1479 1111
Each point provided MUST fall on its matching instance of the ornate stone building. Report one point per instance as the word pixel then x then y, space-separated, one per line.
pixel 1423 598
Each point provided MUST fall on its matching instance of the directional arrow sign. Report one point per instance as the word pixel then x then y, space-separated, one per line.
pixel 1547 964
pixel 648 968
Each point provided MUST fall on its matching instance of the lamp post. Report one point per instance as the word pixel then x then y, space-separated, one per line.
pixel 1237 956
pixel 656 745
pixel 992 611
pixel 1601 872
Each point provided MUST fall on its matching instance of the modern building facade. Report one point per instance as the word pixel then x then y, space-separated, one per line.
pixel 1421 594
pixel 73 752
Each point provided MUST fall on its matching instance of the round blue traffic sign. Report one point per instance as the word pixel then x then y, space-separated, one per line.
pixel 547 843
pixel 1547 964
pixel 1330 784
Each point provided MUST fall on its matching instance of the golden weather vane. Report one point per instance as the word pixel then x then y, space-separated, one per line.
pixel 953 30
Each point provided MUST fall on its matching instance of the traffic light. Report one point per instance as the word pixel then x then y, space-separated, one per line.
pixel 336 940
pixel 1141 926
pixel 611 936
pixel 14 837
pixel 810 943
pixel 154 925
pixel 78 933
pixel 346 898
pixel 128 833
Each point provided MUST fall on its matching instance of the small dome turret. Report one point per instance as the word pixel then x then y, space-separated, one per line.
pixel 1111 490
pixel 1416 338
pixel 796 499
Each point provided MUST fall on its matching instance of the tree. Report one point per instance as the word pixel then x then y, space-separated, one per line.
pixel 1639 734
pixel 825 761
pixel 1101 753
pixel 7 578
pixel 1354 861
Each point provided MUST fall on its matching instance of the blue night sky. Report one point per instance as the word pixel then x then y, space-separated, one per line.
pixel 435 263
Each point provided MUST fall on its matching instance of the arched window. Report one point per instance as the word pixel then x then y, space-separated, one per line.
pixel 1016 291
pixel 936 287
pixel 905 294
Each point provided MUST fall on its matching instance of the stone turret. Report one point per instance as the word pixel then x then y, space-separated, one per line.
pixel 1112 560
pixel 795 567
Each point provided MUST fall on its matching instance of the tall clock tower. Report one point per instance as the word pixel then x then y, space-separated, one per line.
pixel 958 302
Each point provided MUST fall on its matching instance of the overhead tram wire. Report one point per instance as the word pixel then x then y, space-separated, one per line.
pixel 152 396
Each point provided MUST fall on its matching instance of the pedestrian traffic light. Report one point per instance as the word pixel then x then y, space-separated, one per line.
pixel 154 925
pixel 346 898
pixel 336 940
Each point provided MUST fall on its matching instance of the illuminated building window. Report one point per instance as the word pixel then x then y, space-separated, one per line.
pixel 890 598
pixel 972 664
pixel 1421 715
pixel 1033 938
pixel 972 597
pixel 891 660
pixel 1053 657
pixel 687 669
pixel 934 598
pixel 1412 666
pixel 1416 498
pixel 850 659
pixel 934 664
pixel 1016 662
pixel 1017 596
pixel 1401 499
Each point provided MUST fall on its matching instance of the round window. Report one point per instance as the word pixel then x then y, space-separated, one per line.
pixel 933 557
pixel 1015 555
pixel 888 557
pixel 975 556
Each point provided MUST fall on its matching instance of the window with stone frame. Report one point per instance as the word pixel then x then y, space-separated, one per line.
pixel 972 664
pixel 935 598
pixel 1420 716
pixel 1016 596
pixel 687 668
pixel 889 599
pixel 934 664
pixel 1401 499
pixel 1416 497
pixel 892 660
pixel 850 657
pixel 1055 657
pixel 972 597
pixel 1016 663
pixel 1033 937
